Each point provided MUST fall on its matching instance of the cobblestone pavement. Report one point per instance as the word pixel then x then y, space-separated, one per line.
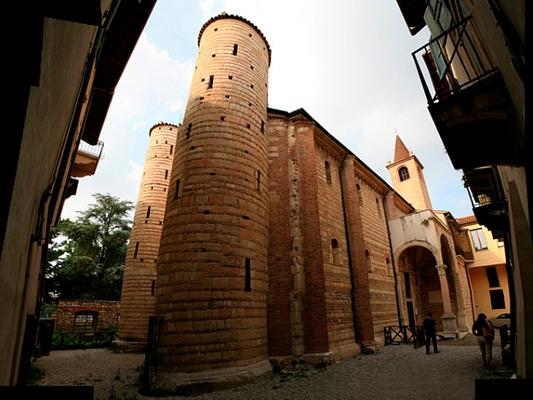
pixel 394 372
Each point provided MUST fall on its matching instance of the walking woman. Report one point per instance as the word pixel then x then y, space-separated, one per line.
pixel 484 332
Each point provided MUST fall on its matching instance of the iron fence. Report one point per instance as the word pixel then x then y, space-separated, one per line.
pixel 81 340
pixel 404 334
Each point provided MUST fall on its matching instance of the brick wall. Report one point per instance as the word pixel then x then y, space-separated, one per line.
pixel 107 313
pixel 378 256
pixel 338 284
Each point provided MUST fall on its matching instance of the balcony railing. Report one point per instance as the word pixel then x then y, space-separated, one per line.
pixel 92 150
pixel 453 61
pixel 488 199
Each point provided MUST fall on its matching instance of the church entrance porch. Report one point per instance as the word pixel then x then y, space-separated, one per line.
pixel 426 286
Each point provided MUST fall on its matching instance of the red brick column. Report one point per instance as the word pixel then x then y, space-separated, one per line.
pixel 315 318
pixel 361 287
pixel 280 278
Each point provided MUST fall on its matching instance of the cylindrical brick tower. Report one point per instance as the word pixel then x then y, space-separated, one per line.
pixel 212 271
pixel 137 301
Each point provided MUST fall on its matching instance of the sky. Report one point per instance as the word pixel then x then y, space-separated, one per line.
pixel 347 62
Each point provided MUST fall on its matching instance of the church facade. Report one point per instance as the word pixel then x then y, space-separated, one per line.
pixel 259 238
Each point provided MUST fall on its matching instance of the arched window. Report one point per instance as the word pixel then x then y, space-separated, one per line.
pixel 328 173
pixel 404 173
pixel 335 251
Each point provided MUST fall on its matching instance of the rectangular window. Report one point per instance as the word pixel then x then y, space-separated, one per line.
pixel 85 321
pixel 478 238
pixel 176 193
pixel 247 275
pixel 148 210
pixel 407 281
pixel 136 250
pixel 211 79
pixel 492 277
pixel 235 48
pixel 497 299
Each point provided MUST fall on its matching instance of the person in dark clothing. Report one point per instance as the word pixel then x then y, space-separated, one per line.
pixel 484 332
pixel 429 332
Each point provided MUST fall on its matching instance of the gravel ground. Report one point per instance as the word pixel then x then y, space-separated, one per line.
pixel 398 372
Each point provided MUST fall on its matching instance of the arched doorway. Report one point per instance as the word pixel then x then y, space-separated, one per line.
pixel 419 285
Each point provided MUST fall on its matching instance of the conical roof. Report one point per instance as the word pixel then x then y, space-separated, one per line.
pixel 400 151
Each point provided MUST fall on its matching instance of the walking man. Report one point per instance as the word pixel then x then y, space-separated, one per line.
pixel 429 332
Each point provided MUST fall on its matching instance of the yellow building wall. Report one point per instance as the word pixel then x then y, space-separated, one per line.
pixel 492 256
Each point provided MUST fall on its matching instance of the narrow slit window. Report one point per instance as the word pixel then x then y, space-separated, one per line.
pixel 258 181
pixel 378 208
pixel 148 210
pixel 328 173
pixel 153 287
pixel 166 174
pixel 262 126
pixel 171 148
pixel 368 261
pixel 211 80
pixel 247 275
pixel 188 131
pixel 176 193
pixel 136 250
pixel 235 49
pixel 335 252
pixel 359 194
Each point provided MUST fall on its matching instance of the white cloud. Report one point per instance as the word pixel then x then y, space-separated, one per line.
pixel 152 88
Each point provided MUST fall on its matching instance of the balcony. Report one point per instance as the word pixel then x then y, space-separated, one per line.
pixel 468 100
pixel 488 199
pixel 87 159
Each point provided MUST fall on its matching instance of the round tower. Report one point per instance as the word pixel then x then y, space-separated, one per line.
pixel 212 270
pixel 138 287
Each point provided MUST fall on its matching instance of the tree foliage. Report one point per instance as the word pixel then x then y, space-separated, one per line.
pixel 86 256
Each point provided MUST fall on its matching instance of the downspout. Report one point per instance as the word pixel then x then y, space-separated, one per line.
pixel 348 250
pixel 392 259
pixel 509 267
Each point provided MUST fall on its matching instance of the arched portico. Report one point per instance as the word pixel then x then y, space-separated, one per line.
pixel 424 286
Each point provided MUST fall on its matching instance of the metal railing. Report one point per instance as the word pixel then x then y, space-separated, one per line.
pixel 77 340
pixel 404 334
pixel 454 60
pixel 92 150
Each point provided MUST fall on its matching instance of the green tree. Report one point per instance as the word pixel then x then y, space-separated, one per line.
pixel 86 256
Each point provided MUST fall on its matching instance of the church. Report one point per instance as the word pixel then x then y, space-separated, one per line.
pixel 259 238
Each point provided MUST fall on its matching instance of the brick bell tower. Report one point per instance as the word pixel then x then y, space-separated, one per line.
pixel 137 301
pixel 407 177
pixel 212 278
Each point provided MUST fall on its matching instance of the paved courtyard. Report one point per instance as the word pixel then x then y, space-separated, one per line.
pixel 395 372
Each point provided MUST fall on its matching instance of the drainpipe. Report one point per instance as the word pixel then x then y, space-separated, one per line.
pixel 392 259
pixel 348 250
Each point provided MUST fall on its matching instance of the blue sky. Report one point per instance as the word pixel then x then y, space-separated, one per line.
pixel 347 62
